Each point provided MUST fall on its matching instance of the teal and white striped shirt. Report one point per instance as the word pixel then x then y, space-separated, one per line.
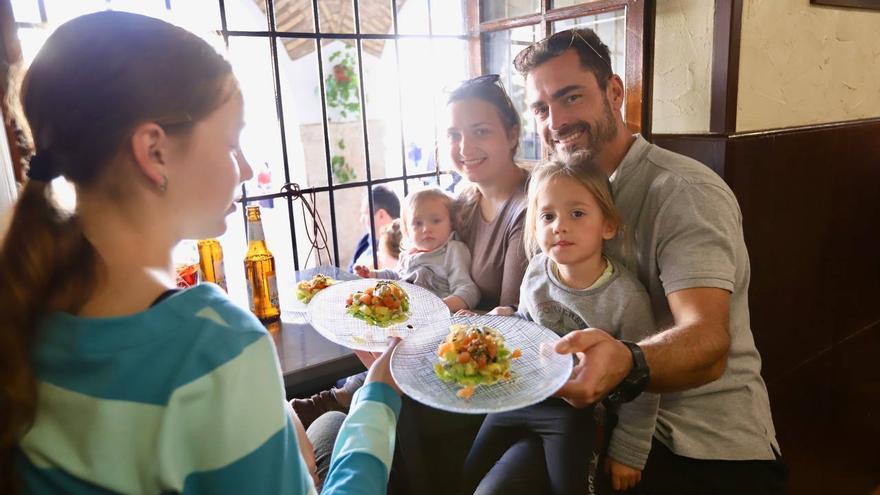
pixel 185 397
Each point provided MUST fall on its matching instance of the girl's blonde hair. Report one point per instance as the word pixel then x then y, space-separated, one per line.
pixel 413 199
pixel 579 167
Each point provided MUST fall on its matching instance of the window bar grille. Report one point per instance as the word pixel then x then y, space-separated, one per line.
pixel 320 53
pixel 399 94
pixel 42 6
pixel 279 109
pixel 431 42
pixel 224 31
pixel 363 98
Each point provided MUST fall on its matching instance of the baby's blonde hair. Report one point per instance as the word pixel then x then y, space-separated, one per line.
pixel 413 199
pixel 579 167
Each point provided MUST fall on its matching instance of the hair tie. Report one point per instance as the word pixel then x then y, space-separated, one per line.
pixel 40 168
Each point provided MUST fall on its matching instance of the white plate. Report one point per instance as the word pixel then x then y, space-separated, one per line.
pixel 535 376
pixel 326 313
pixel 290 303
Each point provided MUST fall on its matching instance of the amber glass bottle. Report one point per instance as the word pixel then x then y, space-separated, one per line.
pixel 211 262
pixel 259 269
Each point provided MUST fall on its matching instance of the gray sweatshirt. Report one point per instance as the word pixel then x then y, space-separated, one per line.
pixel 443 271
pixel 621 307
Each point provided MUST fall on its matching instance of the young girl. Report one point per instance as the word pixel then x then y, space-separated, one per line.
pixel 110 380
pixel 434 259
pixel 569 285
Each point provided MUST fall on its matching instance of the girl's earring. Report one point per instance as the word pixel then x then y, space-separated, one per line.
pixel 164 185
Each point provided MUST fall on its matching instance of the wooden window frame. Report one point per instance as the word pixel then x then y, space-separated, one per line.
pixel 639 63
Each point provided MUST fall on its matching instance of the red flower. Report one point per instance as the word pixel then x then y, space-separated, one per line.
pixel 340 74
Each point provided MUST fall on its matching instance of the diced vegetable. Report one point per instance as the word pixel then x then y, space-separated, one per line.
pixel 382 305
pixel 473 355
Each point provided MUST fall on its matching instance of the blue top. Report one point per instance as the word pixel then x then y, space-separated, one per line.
pixel 185 397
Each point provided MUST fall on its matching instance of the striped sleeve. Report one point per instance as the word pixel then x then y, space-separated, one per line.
pixel 364 448
pixel 229 432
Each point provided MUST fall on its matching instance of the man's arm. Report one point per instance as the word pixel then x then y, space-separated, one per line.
pixel 691 353
pixel 694 351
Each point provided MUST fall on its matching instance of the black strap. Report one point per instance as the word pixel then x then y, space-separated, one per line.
pixel 165 295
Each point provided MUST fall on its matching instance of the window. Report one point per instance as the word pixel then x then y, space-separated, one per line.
pixel 508 26
pixel 340 96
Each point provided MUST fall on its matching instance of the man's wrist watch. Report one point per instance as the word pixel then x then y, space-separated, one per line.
pixel 635 382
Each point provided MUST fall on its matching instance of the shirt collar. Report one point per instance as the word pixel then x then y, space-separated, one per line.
pixel 634 155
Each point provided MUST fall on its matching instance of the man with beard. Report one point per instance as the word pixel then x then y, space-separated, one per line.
pixel 683 237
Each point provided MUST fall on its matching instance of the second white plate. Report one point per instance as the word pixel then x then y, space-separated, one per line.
pixel 326 313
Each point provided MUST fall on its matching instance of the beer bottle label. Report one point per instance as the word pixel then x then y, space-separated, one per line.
pixel 272 285
pixel 220 274
pixel 250 290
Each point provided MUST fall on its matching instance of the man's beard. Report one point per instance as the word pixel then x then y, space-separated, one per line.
pixel 597 138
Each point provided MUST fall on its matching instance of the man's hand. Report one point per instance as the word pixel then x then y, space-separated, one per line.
pixel 604 362
pixel 380 365
pixel 622 476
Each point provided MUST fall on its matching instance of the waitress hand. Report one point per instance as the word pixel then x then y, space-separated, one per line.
pixel 380 365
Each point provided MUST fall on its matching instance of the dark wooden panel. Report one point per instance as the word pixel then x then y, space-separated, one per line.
pixel 725 65
pixel 782 184
pixel 708 149
pixel 854 174
pixel 826 419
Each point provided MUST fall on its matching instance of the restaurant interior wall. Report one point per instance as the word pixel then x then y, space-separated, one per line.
pixel 682 66
pixel 804 64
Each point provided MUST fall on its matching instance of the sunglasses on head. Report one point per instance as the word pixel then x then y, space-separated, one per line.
pixel 555 38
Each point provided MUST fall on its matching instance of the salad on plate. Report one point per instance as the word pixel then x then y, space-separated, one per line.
pixel 473 355
pixel 307 289
pixel 382 305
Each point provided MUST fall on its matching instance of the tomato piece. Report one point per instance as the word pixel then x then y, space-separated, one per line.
pixel 349 301
pixel 464 357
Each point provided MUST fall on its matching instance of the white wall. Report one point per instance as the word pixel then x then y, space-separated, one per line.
pixel 682 66
pixel 804 64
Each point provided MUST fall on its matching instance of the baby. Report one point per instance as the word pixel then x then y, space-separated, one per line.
pixel 433 260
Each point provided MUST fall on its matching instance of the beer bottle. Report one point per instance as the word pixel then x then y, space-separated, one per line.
pixel 211 262
pixel 259 269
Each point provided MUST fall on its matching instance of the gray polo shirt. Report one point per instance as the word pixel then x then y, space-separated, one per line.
pixel 620 306
pixel 684 230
